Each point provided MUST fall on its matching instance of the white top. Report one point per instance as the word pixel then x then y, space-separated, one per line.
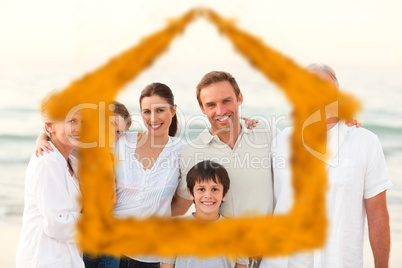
pixel 248 166
pixel 51 211
pixel 143 193
pixel 356 171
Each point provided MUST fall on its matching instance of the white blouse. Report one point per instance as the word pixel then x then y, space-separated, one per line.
pixel 143 193
pixel 51 211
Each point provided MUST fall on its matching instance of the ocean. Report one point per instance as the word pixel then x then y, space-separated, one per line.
pixel 379 88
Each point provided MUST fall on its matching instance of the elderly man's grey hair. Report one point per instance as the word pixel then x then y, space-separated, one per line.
pixel 324 68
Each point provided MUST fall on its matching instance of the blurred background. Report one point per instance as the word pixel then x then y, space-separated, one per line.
pixel 47 44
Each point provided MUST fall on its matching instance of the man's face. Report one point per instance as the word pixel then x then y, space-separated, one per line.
pixel 331 116
pixel 220 105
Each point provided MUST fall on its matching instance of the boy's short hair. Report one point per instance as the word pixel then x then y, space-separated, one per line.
pixel 120 109
pixel 205 171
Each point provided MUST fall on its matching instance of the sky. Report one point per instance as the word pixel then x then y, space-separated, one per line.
pixel 341 32
pixel 46 44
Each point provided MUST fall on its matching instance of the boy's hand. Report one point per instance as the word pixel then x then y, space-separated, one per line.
pixel 250 123
pixel 42 144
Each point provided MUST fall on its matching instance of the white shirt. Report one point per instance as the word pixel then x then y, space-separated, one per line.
pixel 143 193
pixel 51 211
pixel 356 171
pixel 248 165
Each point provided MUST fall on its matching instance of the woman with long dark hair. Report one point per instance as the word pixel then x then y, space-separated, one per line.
pixel 148 170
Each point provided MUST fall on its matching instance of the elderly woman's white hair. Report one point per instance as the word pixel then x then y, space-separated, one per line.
pixel 324 68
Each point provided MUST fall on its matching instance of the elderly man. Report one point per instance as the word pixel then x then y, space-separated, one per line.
pixel 358 181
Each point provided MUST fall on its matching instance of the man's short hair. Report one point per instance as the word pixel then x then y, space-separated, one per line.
pixel 205 171
pixel 325 68
pixel 215 77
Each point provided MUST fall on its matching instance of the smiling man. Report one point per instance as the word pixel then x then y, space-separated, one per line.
pixel 243 152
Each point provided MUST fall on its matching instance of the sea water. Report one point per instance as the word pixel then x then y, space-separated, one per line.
pixel 378 88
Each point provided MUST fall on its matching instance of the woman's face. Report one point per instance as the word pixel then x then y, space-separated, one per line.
pixel 157 115
pixel 67 133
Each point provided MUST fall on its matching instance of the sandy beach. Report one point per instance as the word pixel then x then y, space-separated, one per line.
pixel 10 234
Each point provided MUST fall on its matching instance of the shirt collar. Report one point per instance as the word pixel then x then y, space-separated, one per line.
pixel 206 136
pixel 335 138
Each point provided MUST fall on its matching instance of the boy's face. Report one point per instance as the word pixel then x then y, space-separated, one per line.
pixel 207 197
pixel 120 125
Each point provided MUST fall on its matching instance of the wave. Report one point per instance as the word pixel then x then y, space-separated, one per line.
pixel 9 137
pixel 11 212
pixel 15 160
pixel 20 110
pixel 384 129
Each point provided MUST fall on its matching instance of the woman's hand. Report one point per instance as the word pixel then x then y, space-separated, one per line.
pixel 42 144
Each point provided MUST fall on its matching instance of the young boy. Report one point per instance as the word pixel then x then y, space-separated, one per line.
pixel 208 184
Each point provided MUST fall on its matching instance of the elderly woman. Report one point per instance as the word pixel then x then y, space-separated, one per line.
pixel 52 205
